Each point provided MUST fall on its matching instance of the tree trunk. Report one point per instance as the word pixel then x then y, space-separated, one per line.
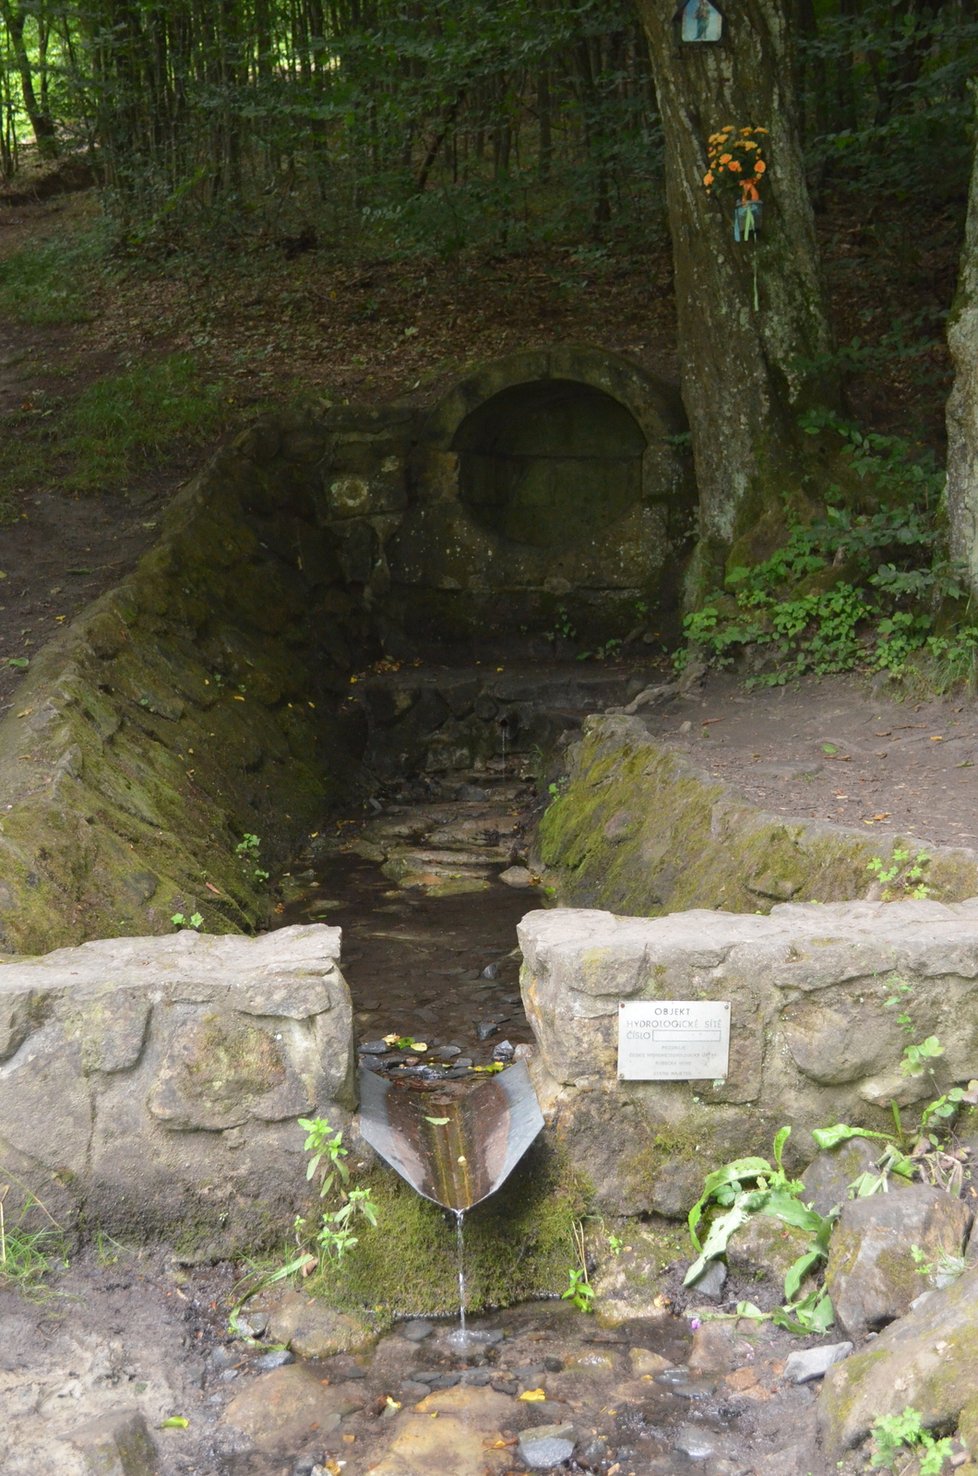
pixel 962 405
pixel 41 122
pixel 752 327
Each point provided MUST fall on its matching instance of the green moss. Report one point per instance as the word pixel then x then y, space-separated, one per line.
pixel 518 1244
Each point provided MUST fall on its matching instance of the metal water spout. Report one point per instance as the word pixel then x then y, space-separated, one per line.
pixel 454 1147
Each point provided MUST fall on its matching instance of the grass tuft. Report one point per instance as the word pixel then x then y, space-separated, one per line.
pixel 28 1250
pixel 50 283
pixel 130 418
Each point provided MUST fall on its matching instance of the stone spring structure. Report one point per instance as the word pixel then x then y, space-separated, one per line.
pixel 150 1086
pixel 209 695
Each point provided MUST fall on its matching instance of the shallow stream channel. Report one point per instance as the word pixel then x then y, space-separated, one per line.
pixel 136 1365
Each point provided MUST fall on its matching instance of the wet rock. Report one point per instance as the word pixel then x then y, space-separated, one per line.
pixel 518 877
pixel 712 1281
pixel 491 971
pixel 372 1047
pixel 805 1364
pixel 827 1177
pixel 925 1359
pixel 504 1051
pixel 313 1330
pixel 458 1439
pixel 417 1330
pixel 547 1445
pixel 871 1275
pixel 485 1028
pixel 118 1444
pixel 644 1361
pixel 277 1358
pixel 717 1347
pixel 695 1442
pixel 286 1408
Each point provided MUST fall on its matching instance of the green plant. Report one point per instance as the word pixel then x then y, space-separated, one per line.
pixel 944 1268
pixel 579 1290
pixel 902 872
pixel 123 419
pixel 334 1235
pixel 856 586
pixel 562 629
pixel 195 920
pixel 901 1439
pixel 28 1251
pixel 755 1186
pixel 249 850
pixel 50 282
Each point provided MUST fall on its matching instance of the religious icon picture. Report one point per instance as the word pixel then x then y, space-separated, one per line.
pixel 700 21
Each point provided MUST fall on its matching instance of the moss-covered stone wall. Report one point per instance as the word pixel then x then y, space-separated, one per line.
pixel 637 830
pixel 194 704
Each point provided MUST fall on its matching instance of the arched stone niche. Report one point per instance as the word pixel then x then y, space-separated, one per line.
pixel 545 484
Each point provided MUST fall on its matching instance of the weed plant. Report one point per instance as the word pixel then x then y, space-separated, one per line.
pixel 28 1251
pixel 856 587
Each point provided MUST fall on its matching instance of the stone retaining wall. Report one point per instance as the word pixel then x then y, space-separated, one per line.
pixel 637 829
pixel 150 1086
pixel 812 1040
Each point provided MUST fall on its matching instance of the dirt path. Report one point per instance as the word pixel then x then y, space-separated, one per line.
pixel 837 748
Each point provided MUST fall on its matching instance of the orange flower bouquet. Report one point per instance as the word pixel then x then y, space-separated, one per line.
pixel 736 165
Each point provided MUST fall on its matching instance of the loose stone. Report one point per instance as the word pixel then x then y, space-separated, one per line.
pixel 547 1445
pixel 811 1363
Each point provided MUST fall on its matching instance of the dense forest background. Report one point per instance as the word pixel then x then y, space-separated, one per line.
pixel 350 199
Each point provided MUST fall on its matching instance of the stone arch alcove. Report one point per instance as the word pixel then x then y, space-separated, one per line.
pixel 543 463
pixel 543 482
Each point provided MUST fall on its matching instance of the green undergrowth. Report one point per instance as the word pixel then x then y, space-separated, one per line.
pixel 131 417
pixel 50 283
pixel 32 1244
pixel 518 1245
pixel 861 585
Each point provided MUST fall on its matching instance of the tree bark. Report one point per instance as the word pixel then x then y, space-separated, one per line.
pixel 753 333
pixel 962 405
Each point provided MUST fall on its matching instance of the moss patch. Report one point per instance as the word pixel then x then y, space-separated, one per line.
pixel 518 1244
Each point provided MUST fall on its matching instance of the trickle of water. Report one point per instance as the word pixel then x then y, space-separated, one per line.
pixel 460 1253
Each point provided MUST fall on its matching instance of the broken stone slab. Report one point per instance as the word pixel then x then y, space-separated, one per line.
pixel 925 1359
pixel 871 1274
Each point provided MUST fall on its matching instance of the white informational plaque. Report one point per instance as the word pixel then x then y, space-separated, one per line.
pixel 673 1039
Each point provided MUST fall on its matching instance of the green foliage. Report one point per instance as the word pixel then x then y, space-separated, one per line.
pixel 899 1438
pixel 195 920
pixel 579 1290
pixel 902 874
pixel 49 284
pixel 124 419
pixel 28 1250
pixel 754 1186
pixel 249 850
pixel 334 1236
pixel 855 587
